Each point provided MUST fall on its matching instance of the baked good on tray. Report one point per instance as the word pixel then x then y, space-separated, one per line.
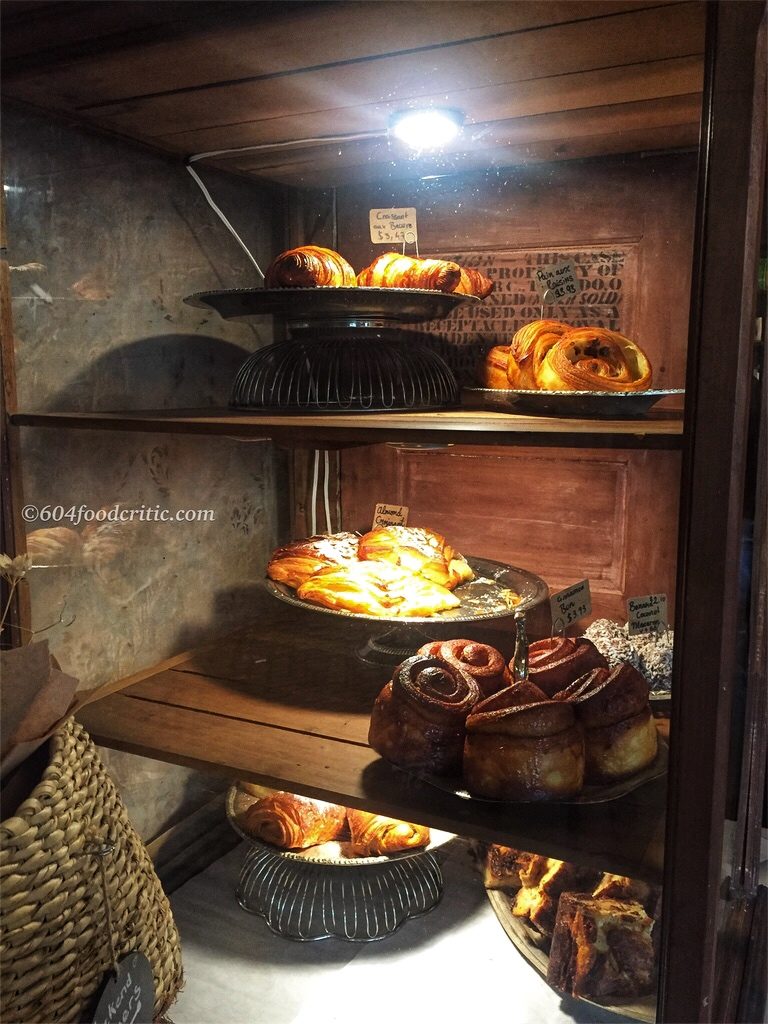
pixel 503 866
pixel 418 719
pixel 601 948
pixel 419 550
pixel 555 662
pixel 391 571
pixel 526 741
pixel 294 822
pixel 473 282
pixel 294 563
pixel 620 737
pixel 484 663
pixel 374 835
pixel 537 901
pixel 54 545
pixel 548 355
pixel 395 270
pixel 376 588
pixel 523 752
pixel 309 266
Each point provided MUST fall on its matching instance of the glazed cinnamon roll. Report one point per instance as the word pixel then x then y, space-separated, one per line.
pixel 555 662
pixel 485 664
pixel 294 822
pixel 309 266
pixel 374 835
pixel 418 720
pixel 619 732
pixel 528 752
pixel 394 270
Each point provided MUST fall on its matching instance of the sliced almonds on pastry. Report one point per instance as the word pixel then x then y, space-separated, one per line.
pixel 376 588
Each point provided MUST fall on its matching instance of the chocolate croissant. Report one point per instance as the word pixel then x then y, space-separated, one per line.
pixel 620 736
pixel 418 720
pixel 417 549
pixel 485 664
pixel 474 283
pixel 374 835
pixel 525 752
pixel 394 270
pixel 309 266
pixel 555 662
pixel 294 822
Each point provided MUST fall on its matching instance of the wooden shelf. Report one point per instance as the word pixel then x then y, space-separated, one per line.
pixel 334 429
pixel 246 707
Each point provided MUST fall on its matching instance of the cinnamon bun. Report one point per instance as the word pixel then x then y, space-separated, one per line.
pixel 418 719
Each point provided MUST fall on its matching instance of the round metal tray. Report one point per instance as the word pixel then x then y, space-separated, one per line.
pixel 594 794
pixel 349 305
pixel 485 597
pixel 586 404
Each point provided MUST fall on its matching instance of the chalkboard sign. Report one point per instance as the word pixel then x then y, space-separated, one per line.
pixel 128 996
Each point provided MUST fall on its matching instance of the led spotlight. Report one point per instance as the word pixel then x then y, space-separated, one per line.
pixel 426 129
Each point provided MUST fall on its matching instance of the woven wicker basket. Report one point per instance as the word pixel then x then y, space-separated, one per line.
pixel 53 943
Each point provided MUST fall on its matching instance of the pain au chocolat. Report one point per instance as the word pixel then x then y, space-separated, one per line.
pixel 374 835
pixel 309 266
pixel 418 719
pixel 294 822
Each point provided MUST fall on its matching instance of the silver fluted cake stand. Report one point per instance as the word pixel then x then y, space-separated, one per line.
pixel 324 893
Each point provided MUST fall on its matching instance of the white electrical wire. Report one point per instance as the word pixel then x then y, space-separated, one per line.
pixel 328 524
pixel 315 474
pixel 286 144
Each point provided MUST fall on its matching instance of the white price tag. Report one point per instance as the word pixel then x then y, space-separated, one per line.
pixel 646 614
pixel 389 515
pixel 393 225
pixel 557 282
pixel 569 605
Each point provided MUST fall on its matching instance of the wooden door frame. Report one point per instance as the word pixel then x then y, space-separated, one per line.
pixel 723 300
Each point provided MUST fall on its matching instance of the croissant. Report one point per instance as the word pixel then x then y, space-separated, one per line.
pixel 309 266
pixel 485 664
pixel 528 752
pixel 620 736
pixel 296 562
pixel 556 662
pixel 493 369
pixel 417 549
pixel 594 359
pixel 374 835
pixel 418 719
pixel 474 283
pixel 528 349
pixel 393 270
pixel 376 588
pixel 294 822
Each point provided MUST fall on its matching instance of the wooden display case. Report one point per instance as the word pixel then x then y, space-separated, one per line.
pixel 244 705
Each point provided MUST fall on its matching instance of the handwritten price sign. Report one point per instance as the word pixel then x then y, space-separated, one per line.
pixel 393 225
pixel 646 614
pixel 569 605
pixel 557 282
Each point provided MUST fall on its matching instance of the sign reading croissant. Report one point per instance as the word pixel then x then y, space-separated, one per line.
pixel 606 278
